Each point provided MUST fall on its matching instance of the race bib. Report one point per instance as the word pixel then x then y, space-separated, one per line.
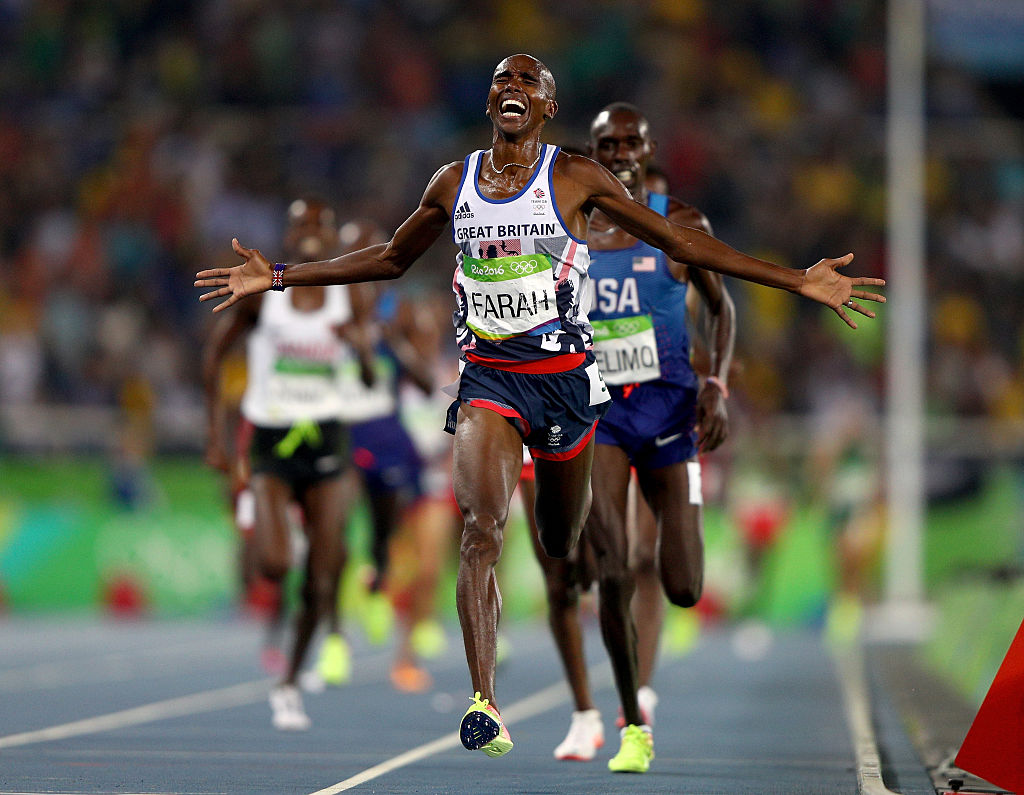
pixel 626 349
pixel 510 296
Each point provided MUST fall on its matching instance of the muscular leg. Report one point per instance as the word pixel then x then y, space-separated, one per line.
pixel 606 531
pixel 326 505
pixel 648 605
pixel 562 501
pixel 486 465
pixel 563 608
pixel 273 543
pixel 680 524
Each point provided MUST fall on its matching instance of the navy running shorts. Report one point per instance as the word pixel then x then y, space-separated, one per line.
pixel 655 423
pixel 555 413
pixel 384 452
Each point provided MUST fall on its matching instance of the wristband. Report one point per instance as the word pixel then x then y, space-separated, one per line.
pixel 277 282
pixel 714 379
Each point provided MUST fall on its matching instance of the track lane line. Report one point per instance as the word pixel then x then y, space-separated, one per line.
pixel 849 664
pixel 540 702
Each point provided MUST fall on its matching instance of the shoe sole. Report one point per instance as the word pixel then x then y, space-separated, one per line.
pixel 629 770
pixel 480 732
pixel 579 757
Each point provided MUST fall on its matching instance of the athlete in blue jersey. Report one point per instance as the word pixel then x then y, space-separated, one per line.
pixel 658 408
pixel 521 324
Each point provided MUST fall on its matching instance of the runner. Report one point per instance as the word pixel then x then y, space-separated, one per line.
pixel 529 370
pixel 299 447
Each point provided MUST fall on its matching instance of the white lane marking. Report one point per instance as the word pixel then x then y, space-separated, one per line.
pixel 195 704
pixel 542 701
pixel 857 700
pixel 208 701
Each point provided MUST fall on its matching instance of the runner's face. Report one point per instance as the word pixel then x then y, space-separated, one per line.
pixel 518 100
pixel 311 233
pixel 622 143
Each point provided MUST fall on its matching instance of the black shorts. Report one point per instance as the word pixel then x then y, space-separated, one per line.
pixel 303 454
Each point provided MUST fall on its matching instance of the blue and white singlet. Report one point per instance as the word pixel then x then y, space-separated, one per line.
pixel 639 314
pixel 521 281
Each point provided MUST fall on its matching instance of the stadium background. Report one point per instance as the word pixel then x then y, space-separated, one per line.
pixel 136 138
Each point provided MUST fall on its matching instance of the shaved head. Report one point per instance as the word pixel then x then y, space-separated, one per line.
pixel 547 80
pixel 624 109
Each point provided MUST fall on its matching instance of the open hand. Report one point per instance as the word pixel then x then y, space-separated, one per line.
pixel 255 275
pixel 824 283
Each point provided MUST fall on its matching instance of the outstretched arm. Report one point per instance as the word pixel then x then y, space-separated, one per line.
pixel 821 282
pixel 384 261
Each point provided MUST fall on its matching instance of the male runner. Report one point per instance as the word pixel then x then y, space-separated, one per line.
pixel 641 340
pixel 529 370
pixel 299 447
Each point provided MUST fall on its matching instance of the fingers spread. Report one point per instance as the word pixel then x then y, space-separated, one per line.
pixel 863 296
pixel 846 318
pixel 239 249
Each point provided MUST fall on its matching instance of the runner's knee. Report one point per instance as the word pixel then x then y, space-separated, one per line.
pixel 481 539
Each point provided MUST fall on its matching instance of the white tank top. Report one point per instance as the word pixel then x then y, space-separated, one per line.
pixel 295 360
pixel 521 281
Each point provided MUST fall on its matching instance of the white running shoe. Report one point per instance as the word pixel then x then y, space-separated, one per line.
pixel 647 700
pixel 289 714
pixel 586 735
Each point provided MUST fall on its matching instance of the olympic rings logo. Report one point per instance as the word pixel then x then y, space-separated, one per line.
pixel 629 326
pixel 523 267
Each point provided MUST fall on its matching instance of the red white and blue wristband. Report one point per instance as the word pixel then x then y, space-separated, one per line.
pixel 277 282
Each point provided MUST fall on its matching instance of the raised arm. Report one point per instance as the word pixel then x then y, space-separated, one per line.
pixel 821 282
pixel 383 261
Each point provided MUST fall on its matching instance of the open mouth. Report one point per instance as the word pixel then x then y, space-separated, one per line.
pixel 512 109
pixel 624 175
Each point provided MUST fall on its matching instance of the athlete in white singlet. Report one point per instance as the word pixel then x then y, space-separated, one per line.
pixel 300 448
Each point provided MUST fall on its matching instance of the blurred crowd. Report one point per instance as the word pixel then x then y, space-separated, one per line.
pixel 137 137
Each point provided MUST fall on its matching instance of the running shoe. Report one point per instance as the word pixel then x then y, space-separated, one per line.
pixel 636 752
pixel 586 735
pixel 289 714
pixel 483 730
pixel 647 700
pixel 428 639
pixel 335 663
pixel 377 617
pixel 408 677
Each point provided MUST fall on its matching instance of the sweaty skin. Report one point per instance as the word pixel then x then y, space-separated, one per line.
pixel 487 450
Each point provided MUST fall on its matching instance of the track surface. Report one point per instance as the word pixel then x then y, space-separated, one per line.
pixel 89 706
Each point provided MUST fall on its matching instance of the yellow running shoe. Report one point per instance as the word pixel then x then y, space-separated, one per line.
pixel 377 617
pixel 428 639
pixel 483 730
pixel 635 753
pixel 335 662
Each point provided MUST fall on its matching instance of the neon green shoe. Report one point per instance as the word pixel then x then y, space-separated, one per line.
pixel 377 617
pixel 636 751
pixel 335 662
pixel 428 639
pixel 483 730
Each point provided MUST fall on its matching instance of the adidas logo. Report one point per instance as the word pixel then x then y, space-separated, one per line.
pixel 463 212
